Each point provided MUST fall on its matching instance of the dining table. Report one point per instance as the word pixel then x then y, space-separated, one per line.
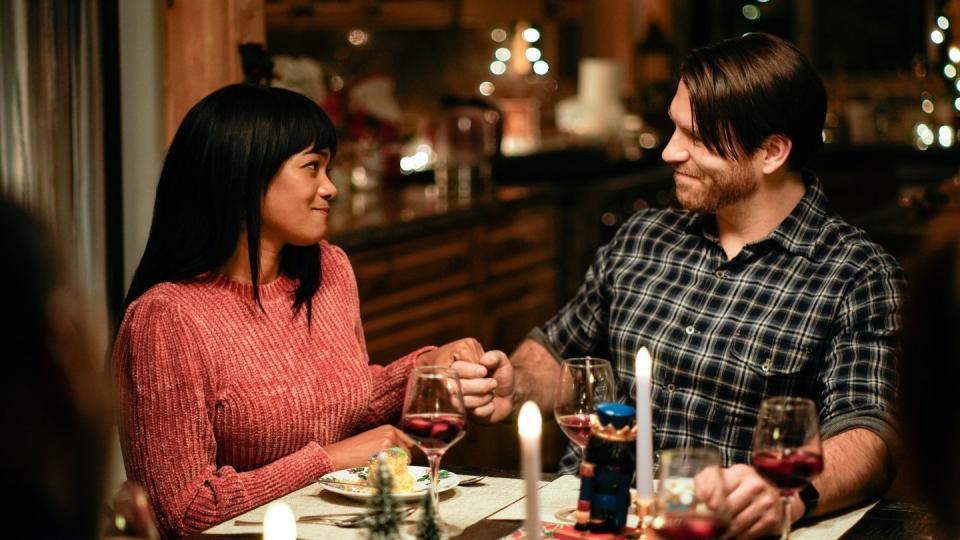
pixel 494 508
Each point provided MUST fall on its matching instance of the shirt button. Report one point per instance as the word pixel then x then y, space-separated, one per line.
pixel 720 274
pixel 671 387
pixel 766 366
pixel 690 330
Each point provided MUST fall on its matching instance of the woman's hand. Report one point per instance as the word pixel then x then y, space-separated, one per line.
pixel 356 451
pixel 462 350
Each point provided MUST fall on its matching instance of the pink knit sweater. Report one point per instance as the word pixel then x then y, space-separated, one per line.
pixel 224 407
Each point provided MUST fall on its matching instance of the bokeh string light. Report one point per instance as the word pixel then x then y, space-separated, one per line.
pixel 517 54
pixel 947 51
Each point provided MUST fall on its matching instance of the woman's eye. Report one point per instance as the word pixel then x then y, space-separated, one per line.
pixel 313 166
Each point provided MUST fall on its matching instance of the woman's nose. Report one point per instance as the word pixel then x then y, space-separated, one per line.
pixel 327 189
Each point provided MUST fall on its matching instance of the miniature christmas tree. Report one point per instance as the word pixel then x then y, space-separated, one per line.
pixel 384 521
pixel 427 528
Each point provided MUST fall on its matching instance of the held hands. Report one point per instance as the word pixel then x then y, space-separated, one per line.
pixel 356 451
pixel 486 378
pixel 499 403
pixel 755 507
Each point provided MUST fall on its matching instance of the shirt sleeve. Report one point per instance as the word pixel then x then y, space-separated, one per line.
pixel 165 410
pixel 859 379
pixel 580 328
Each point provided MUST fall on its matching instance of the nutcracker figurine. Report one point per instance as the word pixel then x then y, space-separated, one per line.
pixel 606 473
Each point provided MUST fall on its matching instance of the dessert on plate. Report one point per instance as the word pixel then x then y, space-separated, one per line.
pixel 401 481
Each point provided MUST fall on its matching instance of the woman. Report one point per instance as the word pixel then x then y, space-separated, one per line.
pixel 55 409
pixel 240 363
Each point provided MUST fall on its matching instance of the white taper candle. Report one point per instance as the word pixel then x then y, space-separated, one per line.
pixel 644 367
pixel 529 426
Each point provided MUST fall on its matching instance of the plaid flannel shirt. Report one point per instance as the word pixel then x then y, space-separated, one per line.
pixel 812 310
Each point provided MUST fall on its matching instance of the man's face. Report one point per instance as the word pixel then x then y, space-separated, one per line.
pixel 705 182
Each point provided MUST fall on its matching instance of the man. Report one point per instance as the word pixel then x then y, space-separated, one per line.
pixel 753 289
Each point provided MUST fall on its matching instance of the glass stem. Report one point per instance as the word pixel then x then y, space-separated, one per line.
pixel 434 460
pixel 785 527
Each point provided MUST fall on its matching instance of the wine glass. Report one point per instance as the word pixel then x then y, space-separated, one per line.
pixel 691 499
pixel 584 383
pixel 786 448
pixel 435 418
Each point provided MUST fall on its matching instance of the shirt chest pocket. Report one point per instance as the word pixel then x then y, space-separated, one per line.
pixel 771 354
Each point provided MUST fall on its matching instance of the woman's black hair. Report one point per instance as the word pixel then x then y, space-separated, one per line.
pixel 221 161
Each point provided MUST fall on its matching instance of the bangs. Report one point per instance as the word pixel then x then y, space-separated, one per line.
pixel 302 125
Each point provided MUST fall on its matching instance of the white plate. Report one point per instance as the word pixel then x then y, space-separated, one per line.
pixel 358 475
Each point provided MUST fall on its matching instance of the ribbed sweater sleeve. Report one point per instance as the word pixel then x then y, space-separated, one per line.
pixel 166 407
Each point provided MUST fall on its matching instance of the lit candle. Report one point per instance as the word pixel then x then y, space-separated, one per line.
pixel 644 426
pixel 279 523
pixel 529 427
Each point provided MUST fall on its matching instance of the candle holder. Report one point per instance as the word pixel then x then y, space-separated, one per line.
pixel 644 517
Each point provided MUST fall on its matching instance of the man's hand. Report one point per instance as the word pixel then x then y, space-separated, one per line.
pixel 499 403
pixel 486 378
pixel 754 504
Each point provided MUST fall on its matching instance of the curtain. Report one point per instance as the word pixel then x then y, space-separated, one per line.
pixel 51 129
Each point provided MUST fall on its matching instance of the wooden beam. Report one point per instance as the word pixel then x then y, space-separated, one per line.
pixel 201 54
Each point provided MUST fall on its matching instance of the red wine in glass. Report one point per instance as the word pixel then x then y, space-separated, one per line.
pixel 576 427
pixel 690 526
pixel 786 448
pixel 584 382
pixel 434 416
pixel 788 470
pixel 434 431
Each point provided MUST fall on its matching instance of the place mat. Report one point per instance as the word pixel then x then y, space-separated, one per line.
pixel 462 506
pixel 894 520
pixel 832 528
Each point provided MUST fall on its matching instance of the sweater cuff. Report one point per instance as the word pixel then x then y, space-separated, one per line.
pixel 415 355
pixel 321 459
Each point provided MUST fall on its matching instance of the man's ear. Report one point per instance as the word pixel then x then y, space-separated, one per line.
pixel 774 152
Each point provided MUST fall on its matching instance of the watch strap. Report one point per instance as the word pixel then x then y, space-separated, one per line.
pixel 810 497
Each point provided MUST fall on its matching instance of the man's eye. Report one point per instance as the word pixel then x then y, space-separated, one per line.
pixel 313 165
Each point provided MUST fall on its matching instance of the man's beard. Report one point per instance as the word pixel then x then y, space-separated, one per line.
pixel 726 189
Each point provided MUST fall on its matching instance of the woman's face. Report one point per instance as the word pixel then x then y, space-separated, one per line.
pixel 297 202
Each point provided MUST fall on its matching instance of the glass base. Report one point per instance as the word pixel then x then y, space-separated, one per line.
pixel 448 530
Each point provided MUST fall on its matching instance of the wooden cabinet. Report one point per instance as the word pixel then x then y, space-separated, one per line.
pixel 492 279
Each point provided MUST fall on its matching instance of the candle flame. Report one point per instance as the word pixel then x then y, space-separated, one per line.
pixel 644 362
pixel 529 421
pixel 279 523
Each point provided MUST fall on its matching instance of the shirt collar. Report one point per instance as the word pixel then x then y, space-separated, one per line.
pixel 797 233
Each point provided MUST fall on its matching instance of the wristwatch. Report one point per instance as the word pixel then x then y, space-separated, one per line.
pixel 810 497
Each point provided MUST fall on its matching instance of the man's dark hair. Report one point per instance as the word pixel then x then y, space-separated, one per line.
pixel 221 161
pixel 746 89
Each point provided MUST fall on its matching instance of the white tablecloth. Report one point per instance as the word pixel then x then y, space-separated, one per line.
pixel 494 499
